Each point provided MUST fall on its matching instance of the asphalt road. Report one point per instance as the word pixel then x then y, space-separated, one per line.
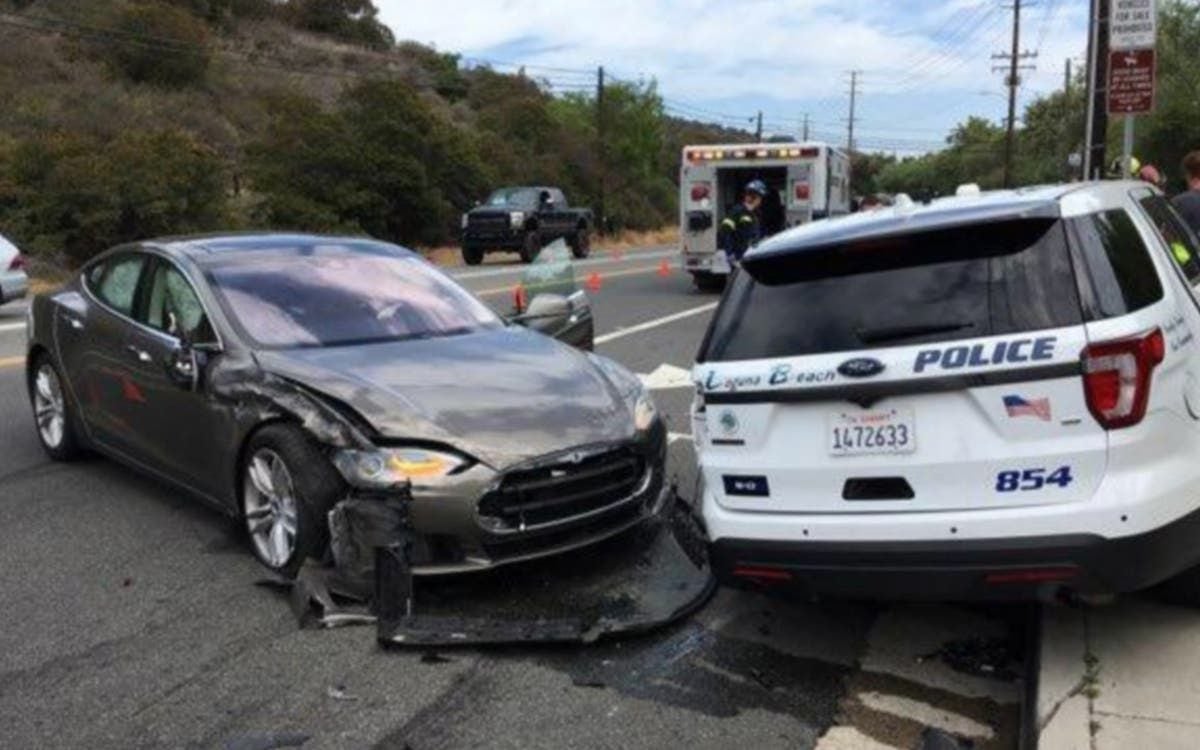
pixel 132 620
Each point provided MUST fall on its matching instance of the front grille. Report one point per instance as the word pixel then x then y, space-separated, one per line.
pixel 490 224
pixel 558 492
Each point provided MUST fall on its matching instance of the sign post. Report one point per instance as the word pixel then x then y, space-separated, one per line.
pixel 1132 29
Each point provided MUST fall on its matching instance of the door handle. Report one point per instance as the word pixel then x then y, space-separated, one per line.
pixel 141 354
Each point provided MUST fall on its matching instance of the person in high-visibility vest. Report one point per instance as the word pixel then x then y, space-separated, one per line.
pixel 741 228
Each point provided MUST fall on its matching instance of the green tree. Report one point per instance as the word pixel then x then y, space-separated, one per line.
pixel 382 163
pixel 75 195
pixel 177 54
pixel 355 21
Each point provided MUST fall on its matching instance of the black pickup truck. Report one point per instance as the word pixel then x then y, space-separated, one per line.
pixel 524 219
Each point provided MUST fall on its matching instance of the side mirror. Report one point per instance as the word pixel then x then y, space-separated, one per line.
pixel 549 306
pixel 568 319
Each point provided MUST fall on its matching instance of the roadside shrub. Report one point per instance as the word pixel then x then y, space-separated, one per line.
pixel 160 44
pixel 67 196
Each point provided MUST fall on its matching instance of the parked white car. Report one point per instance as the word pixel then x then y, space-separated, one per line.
pixel 14 283
pixel 992 396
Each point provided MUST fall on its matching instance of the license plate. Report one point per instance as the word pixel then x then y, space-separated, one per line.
pixel 859 433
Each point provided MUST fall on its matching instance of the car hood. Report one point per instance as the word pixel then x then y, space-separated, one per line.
pixel 503 396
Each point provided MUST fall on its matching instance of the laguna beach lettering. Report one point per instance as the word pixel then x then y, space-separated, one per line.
pixel 714 382
pixel 983 355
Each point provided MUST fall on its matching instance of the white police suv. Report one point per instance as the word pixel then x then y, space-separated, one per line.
pixel 989 396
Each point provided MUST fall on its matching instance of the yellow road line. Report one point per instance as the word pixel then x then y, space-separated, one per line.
pixel 628 272
pixel 10 362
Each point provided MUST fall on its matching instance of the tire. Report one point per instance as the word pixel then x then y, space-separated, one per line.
pixel 708 282
pixel 472 256
pixel 315 487
pixel 581 243
pixel 54 414
pixel 532 247
pixel 1183 589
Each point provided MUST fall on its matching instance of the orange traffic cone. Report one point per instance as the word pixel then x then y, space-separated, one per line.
pixel 520 299
pixel 664 269
pixel 593 282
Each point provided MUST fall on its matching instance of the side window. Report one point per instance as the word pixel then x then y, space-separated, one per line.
pixel 1174 235
pixel 174 308
pixel 116 284
pixel 1118 265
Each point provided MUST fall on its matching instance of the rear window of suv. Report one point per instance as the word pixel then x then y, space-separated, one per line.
pixel 1117 263
pixel 935 286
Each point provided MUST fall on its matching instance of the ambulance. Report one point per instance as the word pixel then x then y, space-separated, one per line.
pixel 806 181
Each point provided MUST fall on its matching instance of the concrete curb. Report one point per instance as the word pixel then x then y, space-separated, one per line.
pixel 1063 681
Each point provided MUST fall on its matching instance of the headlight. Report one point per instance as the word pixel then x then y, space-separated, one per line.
pixel 644 412
pixel 465 220
pixel 388 467
pixel 516 218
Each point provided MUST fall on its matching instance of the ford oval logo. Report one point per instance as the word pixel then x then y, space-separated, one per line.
pixel 863 367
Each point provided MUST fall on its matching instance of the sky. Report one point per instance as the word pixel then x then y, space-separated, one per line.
pixel 925 66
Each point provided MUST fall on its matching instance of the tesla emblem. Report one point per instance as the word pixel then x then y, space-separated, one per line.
pixel 862 367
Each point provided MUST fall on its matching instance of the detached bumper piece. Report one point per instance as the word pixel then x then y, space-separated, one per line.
pixel 634 583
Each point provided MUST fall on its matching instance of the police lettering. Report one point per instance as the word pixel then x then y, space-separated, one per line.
pixel 983 355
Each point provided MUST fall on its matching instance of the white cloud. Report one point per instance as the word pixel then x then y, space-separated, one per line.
pixel 919 56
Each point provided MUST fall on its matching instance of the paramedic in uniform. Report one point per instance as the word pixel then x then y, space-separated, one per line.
pixel 740 229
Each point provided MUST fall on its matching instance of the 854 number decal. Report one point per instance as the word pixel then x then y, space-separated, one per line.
pixel 1028 480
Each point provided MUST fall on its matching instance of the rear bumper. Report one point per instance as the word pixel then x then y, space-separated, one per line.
pixel 1017 568
pixel 706 263
pixel 13 286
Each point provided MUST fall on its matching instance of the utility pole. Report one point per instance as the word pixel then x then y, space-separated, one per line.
pixel 600 146
pixel 1013 81
pixel 1095 137
pixel 805 138
pixel 1067 78
pixel 853 104
pixel 758 128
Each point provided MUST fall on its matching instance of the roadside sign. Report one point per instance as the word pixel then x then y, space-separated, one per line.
pixel 1133 24
pixel 1131 82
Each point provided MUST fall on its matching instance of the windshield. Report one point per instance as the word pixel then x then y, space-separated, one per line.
pixel 937 288
pixel 514 197
pixel 337 296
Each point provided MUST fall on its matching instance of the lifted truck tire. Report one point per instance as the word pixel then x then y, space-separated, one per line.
pixel 708 282
pixel 581 243
pixel 472 256
pixel 532 247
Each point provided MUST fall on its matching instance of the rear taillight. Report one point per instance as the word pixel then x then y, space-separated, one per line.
pixel 700 191
pixel 1116 378
pixel 18 263
pixel 520 298
pixel 802 191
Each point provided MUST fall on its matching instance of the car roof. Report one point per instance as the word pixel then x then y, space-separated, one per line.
pixel 1040 202
pixel 204 246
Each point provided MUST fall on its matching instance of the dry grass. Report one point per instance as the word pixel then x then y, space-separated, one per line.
pixel 450 255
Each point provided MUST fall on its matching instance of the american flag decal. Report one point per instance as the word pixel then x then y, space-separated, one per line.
pixel 1017 406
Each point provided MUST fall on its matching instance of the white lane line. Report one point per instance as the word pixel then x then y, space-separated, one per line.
pixel 520 269
pixel 12 327
pixel 924 713
pixel 622 332
pixel 673 436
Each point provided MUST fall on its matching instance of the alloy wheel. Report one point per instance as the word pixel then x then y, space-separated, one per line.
pixel 49 409
pixel 270 507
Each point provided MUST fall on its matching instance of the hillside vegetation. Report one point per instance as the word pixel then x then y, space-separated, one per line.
pixel 129 119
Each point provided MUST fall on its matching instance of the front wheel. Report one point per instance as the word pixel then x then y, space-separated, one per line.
pixel 288 488
pixel 53 412
pixel 708 282
pixel 581 246
pixel 472 256
pixel 532 247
